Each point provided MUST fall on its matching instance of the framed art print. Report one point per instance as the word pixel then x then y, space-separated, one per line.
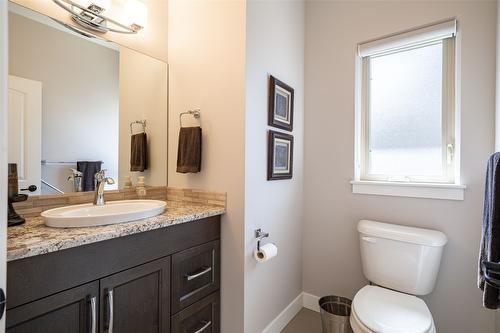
pixel 280 113
pixel 279 156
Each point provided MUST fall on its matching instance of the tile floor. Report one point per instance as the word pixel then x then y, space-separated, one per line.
pixel 306 321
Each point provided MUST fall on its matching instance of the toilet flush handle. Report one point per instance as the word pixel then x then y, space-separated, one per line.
pixel 369 239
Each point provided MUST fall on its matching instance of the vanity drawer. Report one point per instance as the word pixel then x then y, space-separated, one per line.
pixel 195 274
pixel 201 317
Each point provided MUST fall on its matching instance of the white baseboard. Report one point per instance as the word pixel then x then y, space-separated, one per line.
pixel 310 302
pixel 304 300
pixel 279 323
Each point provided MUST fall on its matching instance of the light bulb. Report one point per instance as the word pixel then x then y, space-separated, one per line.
pixel 126 12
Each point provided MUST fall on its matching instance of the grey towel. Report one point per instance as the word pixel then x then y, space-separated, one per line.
pixel 139 152
pixel 189 150
pixel 88 169
pixel 490 240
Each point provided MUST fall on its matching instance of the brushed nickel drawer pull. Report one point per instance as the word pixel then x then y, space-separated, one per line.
pixel 110 312
pixel 93 324
pixel 190 277
pixel 206 324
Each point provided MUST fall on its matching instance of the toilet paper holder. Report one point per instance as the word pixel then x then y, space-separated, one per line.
pixel 260 235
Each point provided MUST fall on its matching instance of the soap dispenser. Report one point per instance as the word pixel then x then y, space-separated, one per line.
pixel 141 187
pixel 127 184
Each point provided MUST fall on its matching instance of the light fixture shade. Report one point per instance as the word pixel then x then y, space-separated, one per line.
pixel 129 12
pixel 106 4
pixel 101 3
pixel 137 11
pixel 122 16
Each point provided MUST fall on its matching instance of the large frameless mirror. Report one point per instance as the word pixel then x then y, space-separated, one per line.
pixel 79 104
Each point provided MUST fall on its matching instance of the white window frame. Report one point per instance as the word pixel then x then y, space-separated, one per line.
pixel 446 187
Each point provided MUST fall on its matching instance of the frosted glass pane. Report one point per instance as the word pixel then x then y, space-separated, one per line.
pixel 405 120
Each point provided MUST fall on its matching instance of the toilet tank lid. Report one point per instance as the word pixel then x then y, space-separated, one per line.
pixel 402 233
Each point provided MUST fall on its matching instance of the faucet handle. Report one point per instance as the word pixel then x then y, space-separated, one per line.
pixel 100 175
pixel 109 180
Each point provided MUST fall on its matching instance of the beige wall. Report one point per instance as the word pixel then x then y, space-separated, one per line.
pixel 3 146
pixel 274 45
pixel 80 102
pixel 143 95
pixel 331 252
pixel 207 70
pixel 151 40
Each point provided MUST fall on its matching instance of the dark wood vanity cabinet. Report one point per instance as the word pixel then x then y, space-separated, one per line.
pixel 161 281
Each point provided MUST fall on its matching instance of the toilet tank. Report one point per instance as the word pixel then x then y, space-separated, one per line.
pixel 401 258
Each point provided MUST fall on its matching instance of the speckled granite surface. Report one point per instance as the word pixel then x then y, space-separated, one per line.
pixel 34 238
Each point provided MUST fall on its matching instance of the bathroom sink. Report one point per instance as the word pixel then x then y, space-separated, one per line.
pixel 88 215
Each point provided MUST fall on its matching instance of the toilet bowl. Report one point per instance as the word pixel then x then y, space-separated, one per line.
pixel 402 262
pixel 375 309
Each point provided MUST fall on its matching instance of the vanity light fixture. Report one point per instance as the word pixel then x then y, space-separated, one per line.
pixel 122 16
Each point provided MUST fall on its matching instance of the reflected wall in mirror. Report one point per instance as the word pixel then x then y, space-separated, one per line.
pixel 71 102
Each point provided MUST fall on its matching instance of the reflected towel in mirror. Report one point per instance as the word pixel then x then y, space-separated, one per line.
pixel 88 169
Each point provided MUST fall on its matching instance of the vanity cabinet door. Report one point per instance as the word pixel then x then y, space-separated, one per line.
pixel 137 300
pixel 70 311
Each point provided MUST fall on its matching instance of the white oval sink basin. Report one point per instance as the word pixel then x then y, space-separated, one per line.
pixel 88 215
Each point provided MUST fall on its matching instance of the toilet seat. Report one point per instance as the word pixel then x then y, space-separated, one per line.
pixel 358 327
pixel 380 310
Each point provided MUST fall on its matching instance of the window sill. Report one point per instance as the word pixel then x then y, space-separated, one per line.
pixel 413 190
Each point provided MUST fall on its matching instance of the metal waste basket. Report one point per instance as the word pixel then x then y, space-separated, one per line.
pixel 335 314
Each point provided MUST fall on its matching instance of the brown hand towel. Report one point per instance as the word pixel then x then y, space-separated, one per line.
pixel 139 152
pixel 88 169
pixel 189 150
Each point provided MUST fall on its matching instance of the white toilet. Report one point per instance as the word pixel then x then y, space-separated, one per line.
pixel 400 262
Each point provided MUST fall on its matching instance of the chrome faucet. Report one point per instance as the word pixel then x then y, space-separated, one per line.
pixel 101 180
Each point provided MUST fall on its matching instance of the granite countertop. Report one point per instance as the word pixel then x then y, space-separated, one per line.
pixel 34 238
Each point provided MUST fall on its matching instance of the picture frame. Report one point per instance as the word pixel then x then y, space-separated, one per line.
pixel 280 106
pixel 279 156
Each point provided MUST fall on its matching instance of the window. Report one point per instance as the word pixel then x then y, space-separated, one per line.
pixel 406 111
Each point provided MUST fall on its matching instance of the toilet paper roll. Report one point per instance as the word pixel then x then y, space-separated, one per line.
pixel 267 252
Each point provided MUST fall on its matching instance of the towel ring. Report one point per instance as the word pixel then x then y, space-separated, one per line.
pixel 142 122
pixel 195 112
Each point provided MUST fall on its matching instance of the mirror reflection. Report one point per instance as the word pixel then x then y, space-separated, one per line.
pixel 80 105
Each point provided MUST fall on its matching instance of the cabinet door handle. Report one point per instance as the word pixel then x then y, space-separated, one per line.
pixel 110 311
pixel 3 301
pixel 93 314
pixel 204 271
pixel 205 324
